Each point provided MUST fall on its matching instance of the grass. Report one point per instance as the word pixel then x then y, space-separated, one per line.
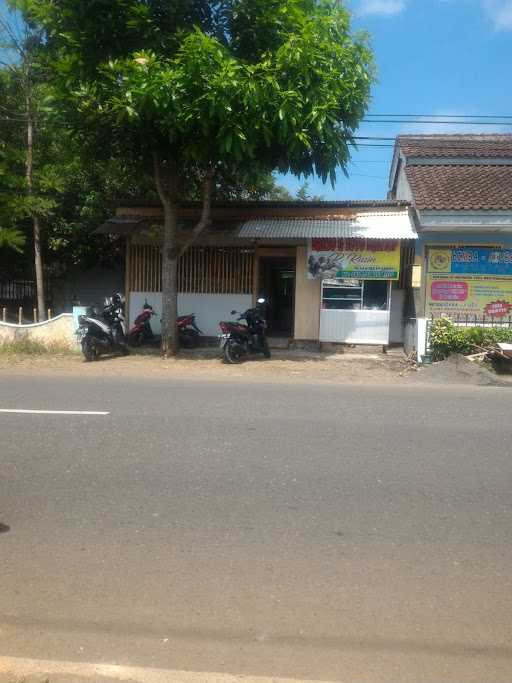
pixel 31 347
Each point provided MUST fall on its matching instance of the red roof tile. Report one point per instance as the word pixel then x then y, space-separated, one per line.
pixel 450 146
pixel 461 187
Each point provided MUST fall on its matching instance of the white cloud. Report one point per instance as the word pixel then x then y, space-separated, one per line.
pixel 500 12
pixel 382 7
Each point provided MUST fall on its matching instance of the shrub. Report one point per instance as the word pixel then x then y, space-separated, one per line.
pixel 447 338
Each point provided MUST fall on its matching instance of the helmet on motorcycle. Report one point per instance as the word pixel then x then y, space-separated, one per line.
pixel 118 300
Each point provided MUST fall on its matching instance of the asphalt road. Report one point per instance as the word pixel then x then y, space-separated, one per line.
pixel 344 533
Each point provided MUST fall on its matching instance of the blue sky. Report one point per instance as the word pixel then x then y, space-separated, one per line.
pixel 450 57
pixel 433 57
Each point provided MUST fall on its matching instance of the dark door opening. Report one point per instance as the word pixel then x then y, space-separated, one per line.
pixel 277 285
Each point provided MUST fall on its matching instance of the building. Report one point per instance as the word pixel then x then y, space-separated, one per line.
pixel 460 190
pixel 332 272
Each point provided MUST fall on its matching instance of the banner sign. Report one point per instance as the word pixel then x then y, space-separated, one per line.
pixel 471 261
pixel 475 281
pixel 361 259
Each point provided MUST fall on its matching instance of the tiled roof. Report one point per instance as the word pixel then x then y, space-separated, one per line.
pixel 461 187
pixel 451 146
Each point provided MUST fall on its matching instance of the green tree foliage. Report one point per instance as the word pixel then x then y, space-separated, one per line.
pixel 303 194
pixel 199 92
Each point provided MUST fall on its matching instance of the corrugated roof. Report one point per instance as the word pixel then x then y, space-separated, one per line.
pixel 395 225
pixel 272 204
pixel 121 225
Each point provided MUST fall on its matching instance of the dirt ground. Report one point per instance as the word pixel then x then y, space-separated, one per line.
pixel 284 366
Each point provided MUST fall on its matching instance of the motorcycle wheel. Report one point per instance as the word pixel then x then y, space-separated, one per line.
pixel 89 350
pixel 232 354
pixel 189 339
pixel 266 349
pixel 134 340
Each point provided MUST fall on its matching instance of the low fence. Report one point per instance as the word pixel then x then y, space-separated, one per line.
pixel 475 320
pixel 22 293
pixel 59 332
pixel 22 315
pixel 17 291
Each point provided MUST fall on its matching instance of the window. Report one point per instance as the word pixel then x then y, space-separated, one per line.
pixel 366 295
pixel 342 294
pixel 375 295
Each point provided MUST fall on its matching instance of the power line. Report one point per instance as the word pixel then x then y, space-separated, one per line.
pixel 444 116
pixel 441 122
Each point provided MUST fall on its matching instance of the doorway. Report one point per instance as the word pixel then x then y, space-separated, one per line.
pixel 277 285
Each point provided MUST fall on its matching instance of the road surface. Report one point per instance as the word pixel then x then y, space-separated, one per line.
pixel 298 531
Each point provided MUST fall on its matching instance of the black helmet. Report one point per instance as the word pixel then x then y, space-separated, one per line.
pixel 118 300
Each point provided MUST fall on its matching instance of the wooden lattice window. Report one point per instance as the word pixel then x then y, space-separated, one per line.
pixel 201 270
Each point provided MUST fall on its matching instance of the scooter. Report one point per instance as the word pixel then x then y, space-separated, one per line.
pixel 188 331
pixel 142 333
pixel 238 341
pixel 102 332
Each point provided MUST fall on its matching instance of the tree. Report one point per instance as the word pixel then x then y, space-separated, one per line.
pixel 303 194
pixel 20 41
pixel 10 238
pixel 200 91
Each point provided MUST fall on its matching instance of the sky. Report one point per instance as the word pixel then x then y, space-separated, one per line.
pixel 434 57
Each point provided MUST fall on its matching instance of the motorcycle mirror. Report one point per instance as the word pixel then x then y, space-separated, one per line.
pixel 262 300
pixel 233 312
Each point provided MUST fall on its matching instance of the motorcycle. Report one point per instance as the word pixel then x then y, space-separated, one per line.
pixel 104 331
pixel 240 340
pixel 142 333
pixel 188 331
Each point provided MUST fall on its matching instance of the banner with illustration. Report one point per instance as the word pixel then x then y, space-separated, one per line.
pixel 363 259
pixel 474 281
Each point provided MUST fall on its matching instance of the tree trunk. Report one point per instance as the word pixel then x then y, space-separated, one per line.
pixel 170 342
pixel 165 181
pixel 38 258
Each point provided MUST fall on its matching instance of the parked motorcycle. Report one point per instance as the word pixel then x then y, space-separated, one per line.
pixel 188 331
pixel 103 331
pixel 239 340
pixel 142 332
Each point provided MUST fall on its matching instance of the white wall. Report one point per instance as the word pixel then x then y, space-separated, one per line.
pixel 209 309
pixel 56 332
pixel 354 327
pixel 421 338
pixel 403 189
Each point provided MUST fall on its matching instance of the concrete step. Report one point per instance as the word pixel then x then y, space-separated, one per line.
pixel 278 342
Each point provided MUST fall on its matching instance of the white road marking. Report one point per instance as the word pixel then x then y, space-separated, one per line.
pixel 52 412
pixel 15 666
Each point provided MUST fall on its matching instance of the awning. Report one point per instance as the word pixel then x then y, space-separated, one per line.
pixel 390 225
pixel 123 225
